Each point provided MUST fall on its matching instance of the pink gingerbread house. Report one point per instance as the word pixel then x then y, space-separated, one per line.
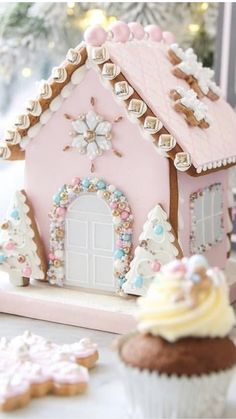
pixel 126 146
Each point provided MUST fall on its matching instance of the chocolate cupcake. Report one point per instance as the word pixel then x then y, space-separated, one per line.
pixel 180 362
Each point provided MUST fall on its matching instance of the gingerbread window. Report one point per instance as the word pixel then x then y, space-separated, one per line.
pixel 207 227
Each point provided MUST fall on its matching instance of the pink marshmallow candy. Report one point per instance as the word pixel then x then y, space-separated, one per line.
pixel 124 215
pixel 169 37
pixel 10 245
pixel 137 30
pixel 75 181
pixel 154 32
pixel 155 266
pixel 60 211
pixel 120 31
pixel 95 36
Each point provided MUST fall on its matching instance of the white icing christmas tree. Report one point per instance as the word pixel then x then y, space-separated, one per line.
pixel 156 247
pixel 20 248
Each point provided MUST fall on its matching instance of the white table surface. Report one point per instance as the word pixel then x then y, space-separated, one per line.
pixel 105 398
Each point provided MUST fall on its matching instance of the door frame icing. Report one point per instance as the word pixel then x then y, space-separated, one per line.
pixel 122 221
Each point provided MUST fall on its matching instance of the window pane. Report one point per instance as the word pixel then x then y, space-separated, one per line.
pixel 218 201
pixel 207 203
pixel 206 217
pixel 218 232
pixel 208 231
pixel 198 234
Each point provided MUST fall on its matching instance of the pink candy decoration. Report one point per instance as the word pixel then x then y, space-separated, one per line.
pixel 95 36
pixel 124 215
pixel 10 245
pixel 154 32
pixel 120 31
pixel 137 30
pixel 27 271
pixel 113 205
pixel 51 256
pixel 177 266
pixel 155 266
pixel 75 181
pixel 60 211
pixel 168 37
pixel 119 243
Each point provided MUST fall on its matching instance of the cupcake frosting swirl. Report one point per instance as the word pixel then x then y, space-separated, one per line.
pixel 187 299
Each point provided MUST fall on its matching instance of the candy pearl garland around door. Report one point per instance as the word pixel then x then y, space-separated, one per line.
pixel 122 219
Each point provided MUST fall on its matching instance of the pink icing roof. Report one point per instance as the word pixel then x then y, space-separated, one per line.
pixel 146 67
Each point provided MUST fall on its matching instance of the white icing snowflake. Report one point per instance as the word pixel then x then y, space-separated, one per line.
pixel 92 135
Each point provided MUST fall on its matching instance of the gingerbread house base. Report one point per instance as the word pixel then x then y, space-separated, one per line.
pixel 42 301
pixel 109 313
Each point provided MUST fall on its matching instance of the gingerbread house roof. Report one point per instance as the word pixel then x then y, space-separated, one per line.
pixel 140 75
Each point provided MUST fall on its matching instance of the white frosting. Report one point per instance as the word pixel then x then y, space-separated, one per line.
pixel 73 56
pixel 189 100
pixel 56 103
pixel 183 303
pixel 67 89
pixel 12 136
pixel 78 75
pixel 5 152
pixel 34 130
pixel 158 247
pixel 34 107
pixel 179 52
pixel 45 89
pixel 59 74
pixel 22 121
pixel 45 117
pixel 24 254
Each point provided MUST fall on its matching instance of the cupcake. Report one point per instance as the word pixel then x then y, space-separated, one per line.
pixel 180 361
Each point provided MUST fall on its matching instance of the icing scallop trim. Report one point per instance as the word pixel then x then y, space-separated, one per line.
pixel 96 36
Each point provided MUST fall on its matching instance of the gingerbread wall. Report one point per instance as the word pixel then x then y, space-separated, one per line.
pixel 141 173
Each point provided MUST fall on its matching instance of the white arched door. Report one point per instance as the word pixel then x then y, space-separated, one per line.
pixel 89 244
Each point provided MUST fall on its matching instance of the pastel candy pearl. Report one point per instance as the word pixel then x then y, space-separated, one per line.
pixel 113 205
pixel 15 214
pixel 138 282
pixel 137 30
pixel 176 266
pixel 51 256
pixel 158 229
pixel 120 31
pixel 75 181
pixel 2 258
pixel 155 266
pixel 197 261
pixel 95 36
pixel 124 215
pixel 61 211
pixel 169 37
pixel 10 246
pixel 154 32
pixel 27 271
pixel 119 253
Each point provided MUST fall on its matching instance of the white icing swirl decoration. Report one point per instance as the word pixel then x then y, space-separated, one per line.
pixel 187 299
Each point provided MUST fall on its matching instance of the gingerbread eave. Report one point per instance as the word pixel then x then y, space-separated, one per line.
pixel 115 53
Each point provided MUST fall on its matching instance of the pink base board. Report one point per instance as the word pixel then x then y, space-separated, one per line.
pixel 41 301
pixel 108 313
